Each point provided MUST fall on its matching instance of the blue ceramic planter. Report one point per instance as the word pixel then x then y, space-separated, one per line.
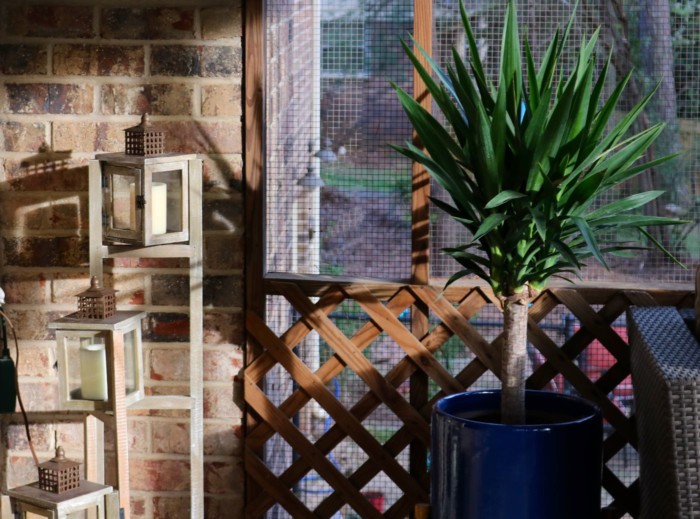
pixel 484 470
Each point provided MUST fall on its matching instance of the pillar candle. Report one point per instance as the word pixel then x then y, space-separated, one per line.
pixel 93 372
pixel 159 208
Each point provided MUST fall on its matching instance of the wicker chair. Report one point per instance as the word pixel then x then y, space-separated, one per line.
pixel 665 361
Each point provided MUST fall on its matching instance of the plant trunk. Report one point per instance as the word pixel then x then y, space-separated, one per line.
pixel 514 356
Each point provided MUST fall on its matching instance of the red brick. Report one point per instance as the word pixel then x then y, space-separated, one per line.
pixel 31 216
pixel 220 477
pixel 221 100
pixel 21 59
pixel 175 60
pixel 218 403
pixel 171 437
pixel 138 435
pixel 221 22
pixel 216 508
pixel 140 24
pixel 191 61
pixel 222 365
pixel 71 438
pixel 223 252
pixel 170 290
pixel 35 361
pixel 203 137
pixel 170 364
pixel 98 60
pixel 110 137
pixel 24 287
pixel 171 508
pixel 14 213
pixel 46 252
pixel 159 475
pixel 152 263
pixel 84 136
pixel 65 286
pixel 221 440
pixel 66 214
pixel 39 396
pixel 49 21
pixel 155 99
pixel 70 99
pixel 221 61
pixel 223 173
pixel 223 214
pixel 138 507
pixel 226 291
pixel 26 98
pixel 20 470
pixel 223 328
pixel 32 324
pixel 47 177
pixel 55 98
pixel 167 327
pixel 42 436
pixel 130 288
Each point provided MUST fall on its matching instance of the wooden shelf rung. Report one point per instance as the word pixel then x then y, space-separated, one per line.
pixel 163 402
pixel 176 250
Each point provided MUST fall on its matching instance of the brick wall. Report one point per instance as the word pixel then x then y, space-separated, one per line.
pixel 73 75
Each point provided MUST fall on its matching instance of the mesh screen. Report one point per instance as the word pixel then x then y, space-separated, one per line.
pixel 662 46
pixel 338 199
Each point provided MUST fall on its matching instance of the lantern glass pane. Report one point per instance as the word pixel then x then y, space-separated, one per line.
pixel 86 367
pixel 124 190
pixel 167 201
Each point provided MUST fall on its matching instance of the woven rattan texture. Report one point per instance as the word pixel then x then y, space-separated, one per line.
pixel 665 360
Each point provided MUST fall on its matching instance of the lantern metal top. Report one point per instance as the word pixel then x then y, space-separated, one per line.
pixel 143 139
pixel 96 302
pixel 59 474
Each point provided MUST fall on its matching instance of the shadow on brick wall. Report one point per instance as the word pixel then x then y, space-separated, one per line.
pixel 46 208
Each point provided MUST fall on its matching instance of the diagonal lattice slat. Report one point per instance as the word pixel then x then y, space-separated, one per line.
pixel 595 309
pixel 356 361
pixel 362 339
pixel 350 425
pixel 415 350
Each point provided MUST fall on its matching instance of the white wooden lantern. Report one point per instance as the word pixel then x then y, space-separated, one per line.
pixel 145 199
pixel 98 358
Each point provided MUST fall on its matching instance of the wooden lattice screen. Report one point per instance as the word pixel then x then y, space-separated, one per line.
pixel 595 309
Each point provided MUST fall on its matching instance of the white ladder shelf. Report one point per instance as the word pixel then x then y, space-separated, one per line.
pixel 192 250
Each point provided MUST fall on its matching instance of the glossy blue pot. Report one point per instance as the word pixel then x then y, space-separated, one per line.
pixel 550 468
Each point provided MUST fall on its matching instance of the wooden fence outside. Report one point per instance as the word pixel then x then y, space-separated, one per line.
pixel 595 309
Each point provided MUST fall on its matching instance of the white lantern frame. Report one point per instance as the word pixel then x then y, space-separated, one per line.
pixel 113 333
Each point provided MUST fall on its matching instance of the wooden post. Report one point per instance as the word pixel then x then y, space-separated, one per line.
pixel 420 234
pixel 422 511
pixel 121 437
pixel 253 177
pixel 196 342
pixel 95 224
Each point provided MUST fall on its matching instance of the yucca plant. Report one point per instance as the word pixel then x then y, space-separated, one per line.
pixel 523 162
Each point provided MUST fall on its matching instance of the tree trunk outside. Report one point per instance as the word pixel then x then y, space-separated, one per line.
pixel 514 356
